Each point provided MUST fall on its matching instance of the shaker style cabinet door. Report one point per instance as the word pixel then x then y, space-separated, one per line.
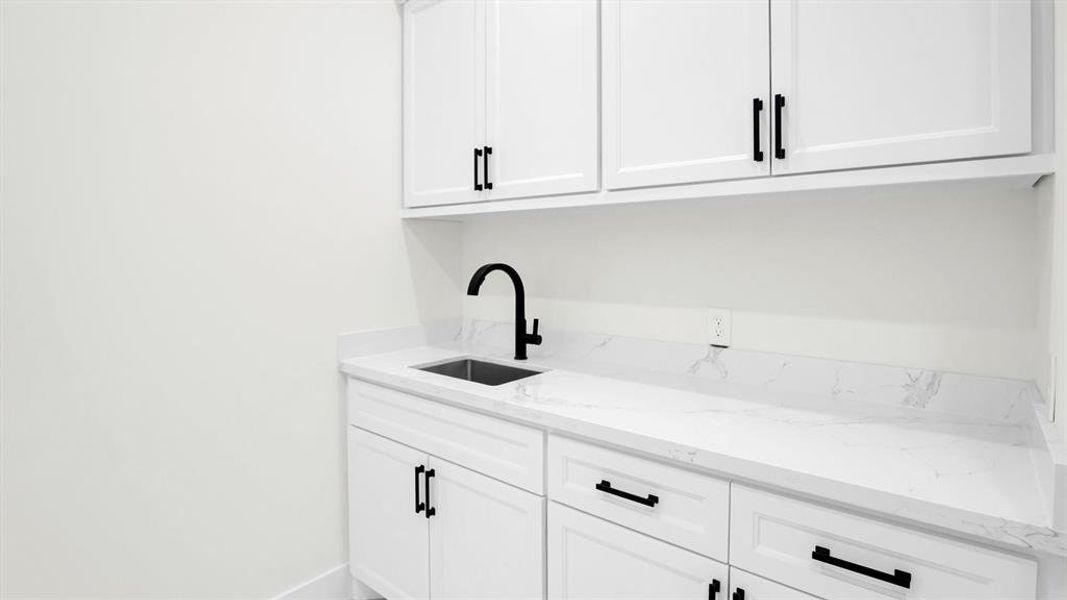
pixel 870 83
pixel 486 537
pixel 444 100
pixel 683 85
pixel 541 97
pixel 388 540
pixel 589 558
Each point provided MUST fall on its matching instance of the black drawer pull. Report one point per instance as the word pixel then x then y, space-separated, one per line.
pixel 757 107
pixel 419 506
pixel 477 155
pixel 739 594
pixel 485 167
pixel 605 486
pixel 779 147
pixel 713 588
pixel 430 511
pixel 898 577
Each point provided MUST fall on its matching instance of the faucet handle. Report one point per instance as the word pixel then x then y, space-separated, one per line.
pixel 534 338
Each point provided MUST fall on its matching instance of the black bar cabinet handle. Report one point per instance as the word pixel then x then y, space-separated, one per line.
pixel 739 594
pixel 898 577
pixel 779 148
pixel 477 155
pixel 713 588
pixel 757 107
pixel 485 167
pixel 419 506
pixel 605 486
pixel 430 510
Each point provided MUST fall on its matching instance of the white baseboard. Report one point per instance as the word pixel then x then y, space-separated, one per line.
pixel 334 584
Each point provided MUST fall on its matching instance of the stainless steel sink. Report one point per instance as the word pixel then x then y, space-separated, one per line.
pixel 479 371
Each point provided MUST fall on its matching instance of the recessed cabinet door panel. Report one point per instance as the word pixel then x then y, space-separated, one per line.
pixel 486 537
pixel 542 97
pixel 679 81
pixel 590 558
pixel 388 540
pixel 444 99
pixel 871 83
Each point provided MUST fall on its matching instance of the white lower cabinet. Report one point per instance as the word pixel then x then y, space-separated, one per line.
pixel 422 527
pixel 387 538
pixel 592 558
pixel 834 554
pixel 682 507
pixel 502 450
pixel 746 586
pixel 486 538
pixel 617 527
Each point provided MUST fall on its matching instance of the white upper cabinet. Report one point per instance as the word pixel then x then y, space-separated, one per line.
pixel 554 103
pixel 868 83
pixel 542 97
pixel 500 99
pixel 680 81
pixel 444 99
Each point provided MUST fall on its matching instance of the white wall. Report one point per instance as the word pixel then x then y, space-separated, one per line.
pixel 945 278
pixel 1053 206
pixel 197 197
pixel 1058 336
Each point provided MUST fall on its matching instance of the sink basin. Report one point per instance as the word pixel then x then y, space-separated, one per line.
pixel 479 371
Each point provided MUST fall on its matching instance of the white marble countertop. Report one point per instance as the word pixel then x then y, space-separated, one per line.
pixel 945 473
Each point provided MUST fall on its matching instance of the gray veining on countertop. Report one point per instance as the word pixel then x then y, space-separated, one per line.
pixel 951 451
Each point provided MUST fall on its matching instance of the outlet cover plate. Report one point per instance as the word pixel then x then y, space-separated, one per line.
pixel 720 326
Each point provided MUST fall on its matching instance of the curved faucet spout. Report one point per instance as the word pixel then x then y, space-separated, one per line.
pixel 521 337
pixel 483 271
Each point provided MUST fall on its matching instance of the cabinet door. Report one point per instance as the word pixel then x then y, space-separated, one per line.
pixel 870 83
pixel 486 537
pixel 747 586
pixel 387 539
pixel 591 558
pixel 680 78
pixel 444 100
pixel 542 97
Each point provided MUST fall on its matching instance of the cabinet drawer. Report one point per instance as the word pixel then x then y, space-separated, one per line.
pixel 506 451
pixel 589 558
pixel 776 537
pixel 688 509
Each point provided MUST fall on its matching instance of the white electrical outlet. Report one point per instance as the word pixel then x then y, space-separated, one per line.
pixel 720 325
